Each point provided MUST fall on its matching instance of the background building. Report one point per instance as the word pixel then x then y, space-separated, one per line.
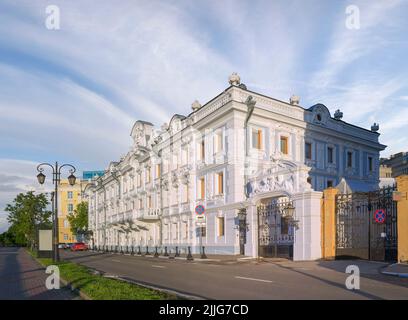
pixel 68 198
pixel 398 163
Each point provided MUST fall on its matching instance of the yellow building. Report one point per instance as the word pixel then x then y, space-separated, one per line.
pixel 68 198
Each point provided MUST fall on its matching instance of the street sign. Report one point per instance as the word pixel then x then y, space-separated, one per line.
pixel 199 209
pixel 379 215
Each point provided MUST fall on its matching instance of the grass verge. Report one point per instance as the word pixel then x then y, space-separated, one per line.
pixel 97 287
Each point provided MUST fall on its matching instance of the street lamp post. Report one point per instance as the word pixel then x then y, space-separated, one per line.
pixel 56 179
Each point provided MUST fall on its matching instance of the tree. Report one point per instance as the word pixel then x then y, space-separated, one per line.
pixel 78 220
pixel 27 214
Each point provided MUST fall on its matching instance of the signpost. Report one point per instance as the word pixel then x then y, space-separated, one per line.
pixel 379 215
pixel 200 222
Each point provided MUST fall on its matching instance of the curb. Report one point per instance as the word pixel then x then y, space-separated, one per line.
pixel 79 292
pixel 168 291
pixel 395 274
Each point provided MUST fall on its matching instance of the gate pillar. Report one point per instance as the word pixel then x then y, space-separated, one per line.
pixel 329 223
pixel 307 238
pixel 251 245
pixel 402 219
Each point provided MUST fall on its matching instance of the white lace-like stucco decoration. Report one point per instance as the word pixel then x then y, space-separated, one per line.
pixel 234 79
pixel 195 105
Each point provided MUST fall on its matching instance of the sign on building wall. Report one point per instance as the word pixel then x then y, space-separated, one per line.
pixel 86 175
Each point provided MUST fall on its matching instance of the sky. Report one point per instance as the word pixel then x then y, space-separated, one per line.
pixel 73 94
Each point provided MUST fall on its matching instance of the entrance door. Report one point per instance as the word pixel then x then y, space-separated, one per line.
pixel 275 230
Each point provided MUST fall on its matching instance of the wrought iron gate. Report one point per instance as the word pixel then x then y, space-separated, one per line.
pixel 275 229
pixel 357 233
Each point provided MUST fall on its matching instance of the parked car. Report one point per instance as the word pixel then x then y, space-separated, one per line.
pixel 79 246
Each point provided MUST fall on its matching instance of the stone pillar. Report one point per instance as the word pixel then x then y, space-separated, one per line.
pixel 329 223
pixel 307 244
pixel 251 246
pixel 402 219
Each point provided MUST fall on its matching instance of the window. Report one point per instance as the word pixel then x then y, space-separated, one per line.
pixel 218 143
pixel 329 183
pixel 70 207
pixel 69 194
pixel 175 162
pixel 220 182
pixel 349 159
pixel 140 203
pixel 149 201
pixel 185 194
pixel 308 150
pixel 257 139
pixel 202 149
pixel 165 164
pixel 370 164
pixel 174 227
pixel 139 180
pixel 158 170
pixel 203 231
pixel 284 145
pixel 330 154
pixel 65 237
pixel 201 186
pixel 148 175
pixel 185 228
pixel 184 156
pixel 221 226
pixel 66 224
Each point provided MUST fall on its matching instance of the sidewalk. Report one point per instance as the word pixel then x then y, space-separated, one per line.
pixel 396 269
pixel 22 278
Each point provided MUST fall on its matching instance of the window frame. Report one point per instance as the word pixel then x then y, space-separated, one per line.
pixel 284 138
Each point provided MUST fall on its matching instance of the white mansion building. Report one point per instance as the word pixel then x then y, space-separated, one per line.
pixel 246 158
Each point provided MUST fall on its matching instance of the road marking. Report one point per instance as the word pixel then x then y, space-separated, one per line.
pixel 116 260
pixel 253 279
pixel 154 266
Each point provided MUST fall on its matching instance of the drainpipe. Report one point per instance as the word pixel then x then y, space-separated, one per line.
pixel 250 102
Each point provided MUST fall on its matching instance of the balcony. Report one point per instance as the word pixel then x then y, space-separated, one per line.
pixel 149 215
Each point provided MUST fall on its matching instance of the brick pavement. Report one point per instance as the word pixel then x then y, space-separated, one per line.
pixel 23 278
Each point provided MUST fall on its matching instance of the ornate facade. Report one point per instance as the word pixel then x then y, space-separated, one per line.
pixel 230 154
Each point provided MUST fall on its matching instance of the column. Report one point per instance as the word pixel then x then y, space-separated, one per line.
pixel 251 246
pixel 307 240
pixel 402 219
pixel 329 223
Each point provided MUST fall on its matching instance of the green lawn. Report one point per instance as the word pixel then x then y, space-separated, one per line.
pixel 99 288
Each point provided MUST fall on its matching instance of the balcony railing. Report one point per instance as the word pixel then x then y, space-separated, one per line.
pixel 150 214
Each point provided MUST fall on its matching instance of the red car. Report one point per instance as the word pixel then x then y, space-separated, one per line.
pixel 79 246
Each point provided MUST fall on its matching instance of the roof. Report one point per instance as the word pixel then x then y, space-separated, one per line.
pixel 350 186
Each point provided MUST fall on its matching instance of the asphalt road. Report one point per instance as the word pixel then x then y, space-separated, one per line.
pixel 249 280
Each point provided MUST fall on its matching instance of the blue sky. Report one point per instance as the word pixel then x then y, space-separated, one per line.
pixel 73 94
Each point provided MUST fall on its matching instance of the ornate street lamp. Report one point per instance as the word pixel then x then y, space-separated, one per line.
pixel 56 174
pixel 41 178
pixel 289 211
pixel 71 179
